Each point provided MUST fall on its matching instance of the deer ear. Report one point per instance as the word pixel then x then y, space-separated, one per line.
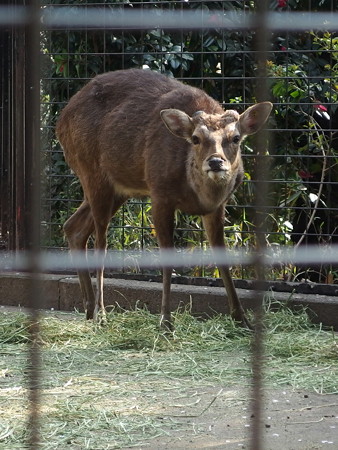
pixel 254 118
pixel 177 122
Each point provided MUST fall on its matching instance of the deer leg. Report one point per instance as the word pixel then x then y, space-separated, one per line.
pixel 77 229
pixel 214 226
pixel 100 248
pixel 103 208
pixel 163 218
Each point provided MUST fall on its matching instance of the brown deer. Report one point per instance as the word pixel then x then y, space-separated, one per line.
pixel 133 133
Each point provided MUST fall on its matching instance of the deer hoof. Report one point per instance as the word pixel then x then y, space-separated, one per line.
pixel 242 320
pixel 165 323
pixel 99 316
pixel 245 323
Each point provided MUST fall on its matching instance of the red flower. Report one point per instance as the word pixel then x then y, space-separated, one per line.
pixel 320 107
pixel 282 3
pixel 321 111
pixel 304 174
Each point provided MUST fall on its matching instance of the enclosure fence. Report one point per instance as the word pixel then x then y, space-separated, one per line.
pixel 215 50
pixel 304 196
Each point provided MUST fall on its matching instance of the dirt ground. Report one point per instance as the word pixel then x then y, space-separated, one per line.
pixel 291 421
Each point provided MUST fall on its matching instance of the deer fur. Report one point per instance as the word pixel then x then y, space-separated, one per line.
pixel 134 133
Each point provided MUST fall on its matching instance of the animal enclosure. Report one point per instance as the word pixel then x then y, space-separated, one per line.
pixel 239 53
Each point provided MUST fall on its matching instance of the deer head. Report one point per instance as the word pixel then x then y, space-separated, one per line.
pixel 216 138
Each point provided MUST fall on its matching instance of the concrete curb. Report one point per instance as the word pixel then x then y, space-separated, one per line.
pixel 61 292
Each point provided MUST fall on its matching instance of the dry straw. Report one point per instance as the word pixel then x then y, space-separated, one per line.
pixel 128 384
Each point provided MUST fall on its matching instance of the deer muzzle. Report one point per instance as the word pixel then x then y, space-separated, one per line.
pixel 217 168
pixel 216 164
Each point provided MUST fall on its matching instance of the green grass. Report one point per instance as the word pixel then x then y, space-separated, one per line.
pixel 112 386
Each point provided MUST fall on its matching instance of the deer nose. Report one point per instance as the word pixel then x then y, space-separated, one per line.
pixel 216 164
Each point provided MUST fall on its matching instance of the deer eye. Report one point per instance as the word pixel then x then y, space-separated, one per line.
pixel 195 139
pixel 236 139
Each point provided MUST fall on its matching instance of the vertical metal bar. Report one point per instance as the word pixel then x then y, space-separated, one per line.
pixel 261 176
pixel 32 210
pixel 6 38
pixel 19 237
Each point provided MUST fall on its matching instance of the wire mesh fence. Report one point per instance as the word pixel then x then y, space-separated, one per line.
pixel 301 74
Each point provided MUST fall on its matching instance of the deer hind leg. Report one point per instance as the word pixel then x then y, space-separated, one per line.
pixel 77 229
pixel 213 224
pixel 163 217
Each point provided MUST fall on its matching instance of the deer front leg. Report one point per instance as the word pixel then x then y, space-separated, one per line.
pixel 165 320
pixel 77 229
pixel 214 226
pixel 104 204
pixel 101 249
pixel 163 217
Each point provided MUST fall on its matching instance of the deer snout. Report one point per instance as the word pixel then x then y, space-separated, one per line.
pixel 216 164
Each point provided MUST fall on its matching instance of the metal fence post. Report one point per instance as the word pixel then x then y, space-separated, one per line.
pixel 261 176
pixel 32 209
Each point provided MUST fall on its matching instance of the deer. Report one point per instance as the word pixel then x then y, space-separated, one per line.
pixel 137 132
